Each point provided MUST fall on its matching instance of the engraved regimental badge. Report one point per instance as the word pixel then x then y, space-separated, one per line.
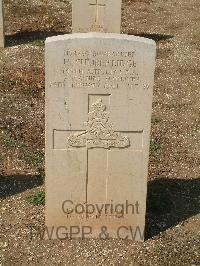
pixel 99 131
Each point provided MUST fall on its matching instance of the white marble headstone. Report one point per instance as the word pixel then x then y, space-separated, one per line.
pixel 96 16
pixel 99 90
pixel 1 25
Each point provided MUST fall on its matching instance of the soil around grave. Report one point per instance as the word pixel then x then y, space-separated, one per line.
pixel 173 219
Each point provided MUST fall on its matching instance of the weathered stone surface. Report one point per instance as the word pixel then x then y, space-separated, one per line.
pixel 1 25
pixel 96 16
pixel 99 91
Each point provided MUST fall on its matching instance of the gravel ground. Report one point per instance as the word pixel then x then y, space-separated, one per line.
pixel 173 212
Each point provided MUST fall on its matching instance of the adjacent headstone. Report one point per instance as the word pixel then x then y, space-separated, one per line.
pixel 96 16
pixel 1 25
pixel 99 91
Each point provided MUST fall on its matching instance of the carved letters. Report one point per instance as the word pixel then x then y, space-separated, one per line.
pixel 98 69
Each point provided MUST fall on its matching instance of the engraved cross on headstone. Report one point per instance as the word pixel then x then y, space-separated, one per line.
pixel 96 16
pixel 99 134
pixel 97 6
pixel 100 141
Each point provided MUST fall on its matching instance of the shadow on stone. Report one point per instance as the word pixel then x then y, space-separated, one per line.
pixel 11 185
pixel 169 202
pixel 154 36
pixel 29 37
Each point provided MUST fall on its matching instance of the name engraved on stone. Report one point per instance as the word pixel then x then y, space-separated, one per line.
pixel 99 131
pixel 94 69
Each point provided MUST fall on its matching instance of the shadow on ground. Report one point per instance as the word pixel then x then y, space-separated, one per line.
pixel 28 37
pixel 154 36
pixel 169 202
pixel 11 185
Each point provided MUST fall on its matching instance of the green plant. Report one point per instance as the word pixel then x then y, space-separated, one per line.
pixel 35 159
pixel 155 119
pixel 154 145
pixel 157 247
pixel 37 199
pixel 10 143
pixel 38 43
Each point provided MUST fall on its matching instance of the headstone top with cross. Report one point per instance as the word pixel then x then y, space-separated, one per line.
pixel 98 22
pixel 1 25
pixel 96 16
pixel 99 91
